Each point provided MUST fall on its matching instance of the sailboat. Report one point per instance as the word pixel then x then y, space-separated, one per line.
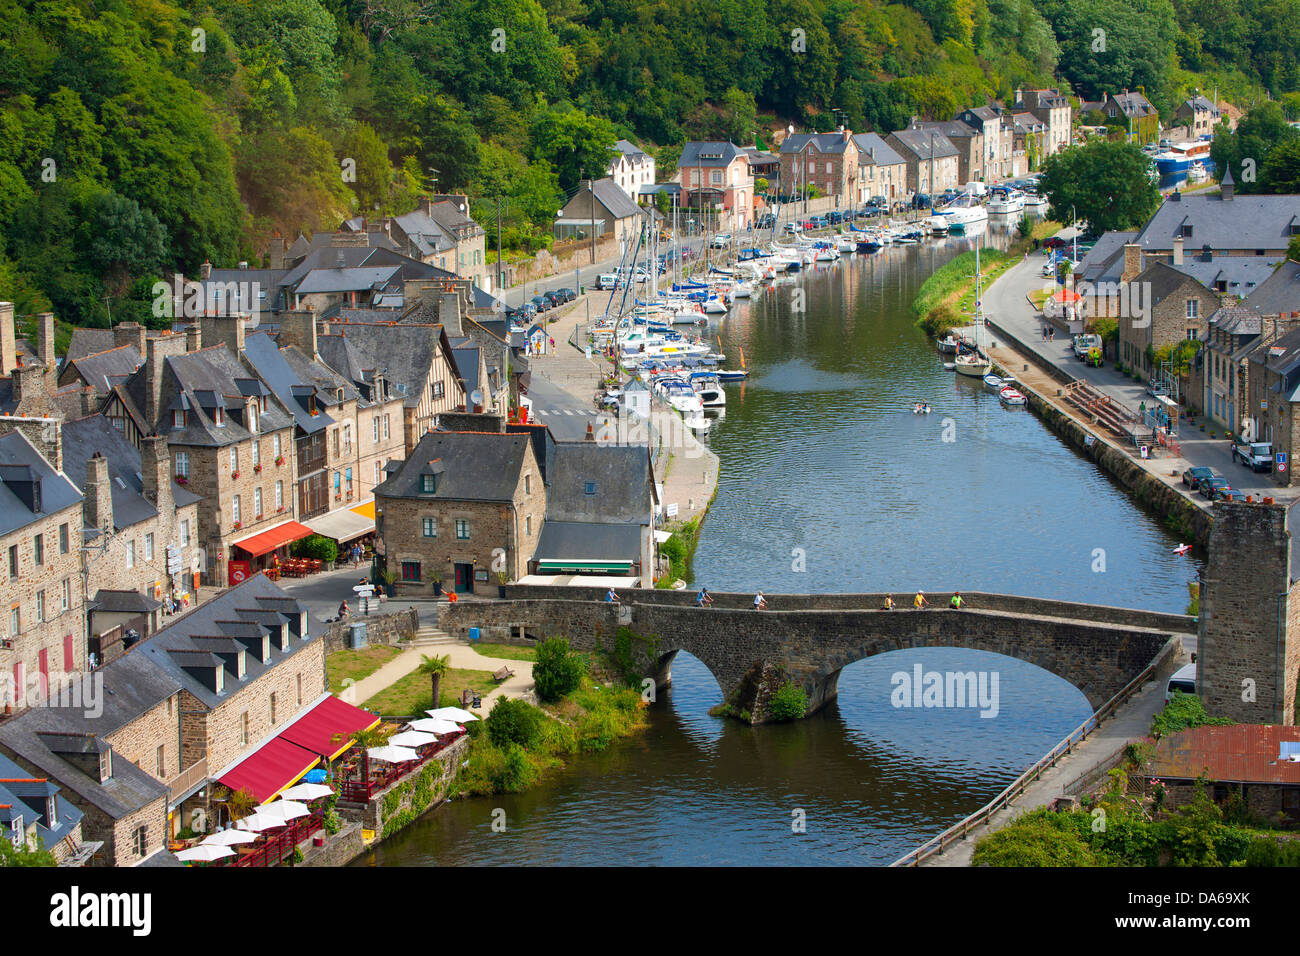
pixel 975 363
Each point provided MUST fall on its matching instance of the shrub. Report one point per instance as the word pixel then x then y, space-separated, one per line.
pixel 514 721
pixel 558 670
pixel 788 703
pixel 1184 711
pixel 315 546
pixel 1033 839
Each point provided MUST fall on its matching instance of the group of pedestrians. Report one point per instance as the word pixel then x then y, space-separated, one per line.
pixel 920 603
pixel 705 599
pixel 1049 333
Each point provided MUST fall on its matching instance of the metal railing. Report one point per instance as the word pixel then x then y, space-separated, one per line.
pixel 984 814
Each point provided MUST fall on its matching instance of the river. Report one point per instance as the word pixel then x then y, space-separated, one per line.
pixel 829 482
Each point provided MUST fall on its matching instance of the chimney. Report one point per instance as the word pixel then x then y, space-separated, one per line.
pixel 155 472
pixel 205 270
pixel 130 333
pixel 193 337
pixel 275 252
pixel 88 401
pixel 97 505
pixel 1178 250
pixel 1132 262
pixel 227 330
pixel 29 394
pixel 844 133
pixel 299 329
pixel 426 205
pixel 45 340
pixel 449 313
pixel 157 349
pixel 8 347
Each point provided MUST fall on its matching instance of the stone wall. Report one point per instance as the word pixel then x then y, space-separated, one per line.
pixel 1249 612
pixel 813 645
pixel 380 629
pixel 139 740
pixel 339 849
pixel 546 264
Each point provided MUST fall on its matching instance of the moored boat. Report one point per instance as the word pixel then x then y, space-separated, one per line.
pixel 1011 396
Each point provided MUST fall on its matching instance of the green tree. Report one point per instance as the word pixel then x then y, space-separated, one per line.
pixel 1034 839
pixel 1246 150
pixel 576 143
pixel 1281 172
pixel 514 721
pixel 436 667
pixel 558 670
pixel 1105 182
pixel 13 856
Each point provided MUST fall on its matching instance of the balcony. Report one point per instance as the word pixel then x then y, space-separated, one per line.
pixel 184 783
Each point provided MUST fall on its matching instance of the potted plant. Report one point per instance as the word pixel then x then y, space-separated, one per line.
pixel 234 474
pixel 389 577
pixel 257 469
pixel 436 577
pixel 279 460
pixel 502 578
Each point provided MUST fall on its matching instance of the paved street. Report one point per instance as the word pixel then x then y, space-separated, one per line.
pixel 1006 304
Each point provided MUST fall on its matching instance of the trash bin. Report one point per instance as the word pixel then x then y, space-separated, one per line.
pixel 473 635
pixel 582 290
pixel 357 639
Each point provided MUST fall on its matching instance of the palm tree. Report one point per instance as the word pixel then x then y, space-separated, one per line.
pixel 435 667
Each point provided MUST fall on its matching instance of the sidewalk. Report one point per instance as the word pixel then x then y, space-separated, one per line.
pixel 1007 305
pixel 1131 722
pixel 459 656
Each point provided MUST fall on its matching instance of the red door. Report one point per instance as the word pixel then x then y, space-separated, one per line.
pixel 68 662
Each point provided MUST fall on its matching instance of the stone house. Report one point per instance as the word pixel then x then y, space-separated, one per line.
pixel 1052 107
pixel 827 161
pixel 716 181
pixel 1142 118
pixel 43 632
pixel 1233 333
pixel 1250 761
pixel 1030 143
pixel 439 232
pixel 1178 308
pixel 1274 389
pixel 231 442
pixel 462 505
pixel 631 168
pixel 968 141
pixel 35 815
pixel 598 209
pixel 998 131
pixel 933 162
pixel 1199 115
pixel 881 171
pixel 141 530
pixel 1225 224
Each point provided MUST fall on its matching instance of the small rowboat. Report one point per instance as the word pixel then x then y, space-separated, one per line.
pixel 994 383
pixel 1010 396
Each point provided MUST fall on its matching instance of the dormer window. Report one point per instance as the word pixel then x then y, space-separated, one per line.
pixel 178 418
pixel 311 403
pixel 220 416
pixel 252 418
pixel 105 765
pixel 1187 229
pixel 428 484
pixel 338 395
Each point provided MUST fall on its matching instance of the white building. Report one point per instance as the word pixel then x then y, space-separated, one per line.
pixel 631 168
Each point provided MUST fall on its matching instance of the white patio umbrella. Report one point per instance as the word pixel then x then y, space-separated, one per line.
pixel 228 838
pixel 431 725
pixel 257 822
pixel 412 738
pixel 283 809
pixel 306 791
pixel 458 714
pixel 392 754
pixel 204 853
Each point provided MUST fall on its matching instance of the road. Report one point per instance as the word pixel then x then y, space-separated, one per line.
pixel 1006 304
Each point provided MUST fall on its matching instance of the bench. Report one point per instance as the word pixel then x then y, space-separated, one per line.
pixel 503 674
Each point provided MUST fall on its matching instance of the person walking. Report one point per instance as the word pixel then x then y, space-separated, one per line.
pixel 760 602
pixel 956 603
pixel 919 601
pixel 552 344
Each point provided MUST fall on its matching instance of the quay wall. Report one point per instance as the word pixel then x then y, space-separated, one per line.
pixel 1170 504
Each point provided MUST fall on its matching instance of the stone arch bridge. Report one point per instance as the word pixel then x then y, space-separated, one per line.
pixel 810 638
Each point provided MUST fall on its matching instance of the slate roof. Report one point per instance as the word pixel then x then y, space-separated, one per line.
pixel 1243 223
pixel 1282 356
pixel 1240 275
pixel 272 365
pixel 472 466
pixel 405 352
pixel 82 438
pixel 955 129
pixel 708 153
pixel 124 602
pixel 1133 105
pixel 872 148
pixel 1198 103
pixel 346 280
pixel 104 369
pixel 1279 293
pixel 612 197
pixel 1163 280
pixel 918 141
pixel 89 342
pixel 1236 320
pixel 29 798
pixel 21 468
pixel 632 151
pixel 1105 261
pixel 588 541
pixel 623 484
pixel 424 231
pixel 829 143
pixel 467 365
pixel 183 640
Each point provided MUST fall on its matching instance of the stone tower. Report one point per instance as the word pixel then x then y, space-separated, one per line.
pixel 1250 616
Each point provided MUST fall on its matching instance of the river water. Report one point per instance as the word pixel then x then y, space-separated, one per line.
pixel 829 482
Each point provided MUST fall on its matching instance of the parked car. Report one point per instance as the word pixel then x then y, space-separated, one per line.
pixel 528 311
pixel 921 201
pixel 1193 477
pixel 607 281
pixel 569 294
pixel 540 303
pixel 721 240
pixel 1083 344
pixel 1215 488
pixel 791 227
pixel 1258 456
pixel 1054 242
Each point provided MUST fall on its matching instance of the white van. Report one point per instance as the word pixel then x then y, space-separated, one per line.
pixel 1184 679
pixel 977 189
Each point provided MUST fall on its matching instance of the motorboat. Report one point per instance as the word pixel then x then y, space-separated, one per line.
pixel 871 243
pixel 1196 173
pixel 731 374
pixel 963 211
pixel 1012 396
pixel 714 306
pixel 994 383
pixel 742 290
pixel 937 225
pixel 1033 200
pixel 1180 156
pixel 679 394
pixel 947 345
pixel 709 388
pixel 1005 203
pixel 846 244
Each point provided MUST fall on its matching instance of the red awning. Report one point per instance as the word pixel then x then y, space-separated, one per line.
pixel 273 767
pixel 318 730
pixel 268 541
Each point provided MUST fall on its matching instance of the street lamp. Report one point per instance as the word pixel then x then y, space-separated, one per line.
pixel 1074 222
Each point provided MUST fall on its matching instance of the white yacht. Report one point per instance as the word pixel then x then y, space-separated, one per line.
pixel 1005 202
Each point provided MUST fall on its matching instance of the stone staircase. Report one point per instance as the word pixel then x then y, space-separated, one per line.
pixel 430 636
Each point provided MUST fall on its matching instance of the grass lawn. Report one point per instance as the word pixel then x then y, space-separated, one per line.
pixel 410 695
pixel 509 652
pixel 357 664
pixel 1039 297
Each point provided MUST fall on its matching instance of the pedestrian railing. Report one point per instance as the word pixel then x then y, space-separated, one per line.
pixel 984 814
